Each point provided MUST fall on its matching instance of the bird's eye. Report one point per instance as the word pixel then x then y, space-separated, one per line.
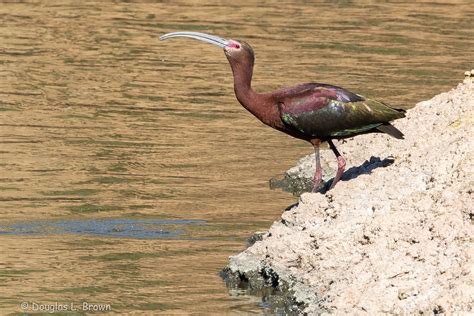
pixel 233 44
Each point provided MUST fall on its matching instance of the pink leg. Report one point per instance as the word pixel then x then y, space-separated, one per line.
pixel 317 173
pixel 341 164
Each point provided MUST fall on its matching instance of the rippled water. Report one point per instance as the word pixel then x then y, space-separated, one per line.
pixel 126 228
pixel 100 120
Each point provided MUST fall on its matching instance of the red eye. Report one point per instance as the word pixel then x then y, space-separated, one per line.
pixel 233 44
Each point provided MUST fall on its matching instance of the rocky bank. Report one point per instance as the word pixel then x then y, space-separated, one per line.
pixel 394 236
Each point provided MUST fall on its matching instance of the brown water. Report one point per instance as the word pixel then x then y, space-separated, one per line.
pixel 100 120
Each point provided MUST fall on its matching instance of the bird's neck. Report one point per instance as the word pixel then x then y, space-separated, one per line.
pixel 243 84
pixel 254 102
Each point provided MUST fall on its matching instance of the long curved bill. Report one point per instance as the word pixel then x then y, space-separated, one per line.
pixel 211 39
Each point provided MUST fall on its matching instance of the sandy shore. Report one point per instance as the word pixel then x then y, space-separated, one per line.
pixel 394 236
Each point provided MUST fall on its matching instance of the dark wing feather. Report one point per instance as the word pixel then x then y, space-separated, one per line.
pixel 324 111
pixel 342 94
pixel 321 89
pixel 390 130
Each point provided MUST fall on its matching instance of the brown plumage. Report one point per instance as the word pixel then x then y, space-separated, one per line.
pixel 314 112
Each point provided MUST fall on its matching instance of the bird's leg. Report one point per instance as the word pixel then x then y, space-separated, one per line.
pixel 317 173
pixel 341 164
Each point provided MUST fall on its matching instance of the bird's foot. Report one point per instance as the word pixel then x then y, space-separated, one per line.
pixel 316 183
pixel 316 188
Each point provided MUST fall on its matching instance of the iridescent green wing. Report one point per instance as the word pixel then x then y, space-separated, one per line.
pixel 327 111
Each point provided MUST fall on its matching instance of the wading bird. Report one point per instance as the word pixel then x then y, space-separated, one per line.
pixel 314 112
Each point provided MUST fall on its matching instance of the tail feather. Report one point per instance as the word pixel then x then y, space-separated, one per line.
pixel 390 130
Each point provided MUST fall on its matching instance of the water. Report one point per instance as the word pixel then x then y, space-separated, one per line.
pixel 101 121
pixel 125 228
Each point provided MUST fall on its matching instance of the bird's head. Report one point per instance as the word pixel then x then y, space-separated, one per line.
pixel 237 52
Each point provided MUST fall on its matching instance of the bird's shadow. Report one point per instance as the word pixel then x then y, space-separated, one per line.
pixel 365 168
pixel 298 185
